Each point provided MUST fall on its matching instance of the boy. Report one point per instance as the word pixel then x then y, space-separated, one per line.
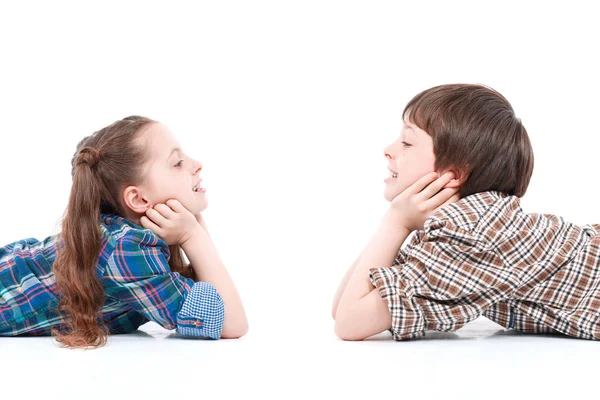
pixel 474 252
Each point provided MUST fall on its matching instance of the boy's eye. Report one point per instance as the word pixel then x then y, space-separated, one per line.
pixel 406 144
pixel 179 163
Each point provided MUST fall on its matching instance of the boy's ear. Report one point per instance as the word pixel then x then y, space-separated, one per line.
pixel 460 176
pixel 133 199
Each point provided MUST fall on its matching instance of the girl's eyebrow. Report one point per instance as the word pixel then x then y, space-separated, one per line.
pixel 176 149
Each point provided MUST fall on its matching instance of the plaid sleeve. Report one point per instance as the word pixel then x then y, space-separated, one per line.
pixel 442 284
pixel 202 313
pixel 408 320
pixel 138 274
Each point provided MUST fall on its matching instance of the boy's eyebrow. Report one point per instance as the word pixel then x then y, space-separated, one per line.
pixel 408 128
pixel 410 131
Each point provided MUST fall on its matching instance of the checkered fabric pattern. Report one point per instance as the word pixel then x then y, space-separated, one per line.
pixel 482 255
pixel 202 313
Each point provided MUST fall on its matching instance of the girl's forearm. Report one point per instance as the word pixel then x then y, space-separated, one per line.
pixel 380 252
pixel 202 223
pixel 204 258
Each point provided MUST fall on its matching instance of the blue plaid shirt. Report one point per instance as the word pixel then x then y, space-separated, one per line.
pixel 134 270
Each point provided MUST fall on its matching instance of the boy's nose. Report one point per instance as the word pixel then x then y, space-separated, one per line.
pixel 387 152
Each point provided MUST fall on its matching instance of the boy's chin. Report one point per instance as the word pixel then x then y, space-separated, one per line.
pixel 389 194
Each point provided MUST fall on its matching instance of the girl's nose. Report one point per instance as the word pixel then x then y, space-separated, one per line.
pixel 197 167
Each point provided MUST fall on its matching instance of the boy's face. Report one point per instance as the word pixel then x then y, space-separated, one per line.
pixel 410 157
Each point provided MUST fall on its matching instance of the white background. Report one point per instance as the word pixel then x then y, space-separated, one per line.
pixel 289 106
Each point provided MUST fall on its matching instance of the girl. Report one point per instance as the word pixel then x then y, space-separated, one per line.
pixel 474 252
pixel 135 205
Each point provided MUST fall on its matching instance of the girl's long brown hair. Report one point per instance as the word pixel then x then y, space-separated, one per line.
pixel 104 164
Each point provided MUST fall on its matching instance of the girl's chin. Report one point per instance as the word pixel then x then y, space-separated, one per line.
pixel 200 206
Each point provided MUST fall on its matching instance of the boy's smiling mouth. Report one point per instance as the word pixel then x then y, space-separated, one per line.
pixel 393 175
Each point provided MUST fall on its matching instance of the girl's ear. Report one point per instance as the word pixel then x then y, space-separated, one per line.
pixel 460 176
pixel 133 199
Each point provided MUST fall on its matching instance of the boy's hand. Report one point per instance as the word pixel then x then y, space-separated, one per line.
pixel 411 208
pixel 174 223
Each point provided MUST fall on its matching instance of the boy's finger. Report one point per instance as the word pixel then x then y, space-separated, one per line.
pixel 436 186
pixel 440 198
pixel 422 183
pixel 451 196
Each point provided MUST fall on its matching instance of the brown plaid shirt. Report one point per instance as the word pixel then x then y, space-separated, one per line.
pixel 482 255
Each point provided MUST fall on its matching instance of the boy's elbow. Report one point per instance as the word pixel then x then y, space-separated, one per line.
pixel 346 330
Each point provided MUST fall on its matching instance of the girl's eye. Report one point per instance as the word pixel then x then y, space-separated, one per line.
pixel 406 144
pixel 179 163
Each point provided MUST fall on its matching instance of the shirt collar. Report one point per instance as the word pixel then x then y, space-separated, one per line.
pixel 467 211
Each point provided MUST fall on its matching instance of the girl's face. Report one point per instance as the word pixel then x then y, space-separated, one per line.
pixel 169 174
pixel 410 157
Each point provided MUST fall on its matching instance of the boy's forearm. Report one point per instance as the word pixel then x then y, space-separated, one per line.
pixel 380 252
pixel 208 267
pixel 343 283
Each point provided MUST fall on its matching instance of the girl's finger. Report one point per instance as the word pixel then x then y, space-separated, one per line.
pixel 436 186
pixel 165 211
pixel 421 183
pixel 155 217
pixel 146 223
pixel 176 205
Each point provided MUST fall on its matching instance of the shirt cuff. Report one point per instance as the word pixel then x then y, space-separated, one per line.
pixel 202 313
pixel 408 321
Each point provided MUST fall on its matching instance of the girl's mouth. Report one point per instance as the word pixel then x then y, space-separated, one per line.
pixel 198 187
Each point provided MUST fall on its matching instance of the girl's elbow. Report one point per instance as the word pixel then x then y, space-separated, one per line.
pixel 235 332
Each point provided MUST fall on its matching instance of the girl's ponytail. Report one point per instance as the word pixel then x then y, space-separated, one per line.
pixel 81 292
pixel 103 165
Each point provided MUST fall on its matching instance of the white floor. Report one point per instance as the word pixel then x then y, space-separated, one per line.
pixel 481 360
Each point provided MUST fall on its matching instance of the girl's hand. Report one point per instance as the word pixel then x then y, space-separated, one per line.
pixel 200 220
pixel 174 223
pixel 411 208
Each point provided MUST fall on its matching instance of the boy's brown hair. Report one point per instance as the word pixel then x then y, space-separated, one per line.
pixel 474 130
